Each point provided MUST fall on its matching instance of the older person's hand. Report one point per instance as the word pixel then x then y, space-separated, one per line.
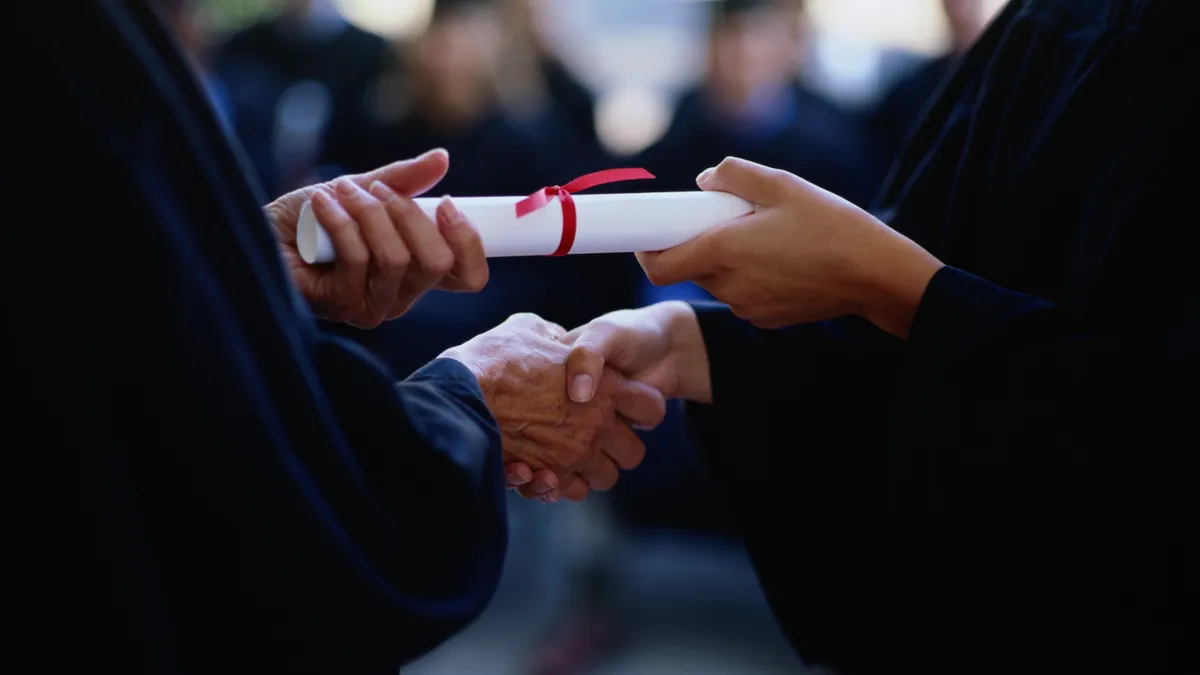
pixel 521 367
pixel 389 253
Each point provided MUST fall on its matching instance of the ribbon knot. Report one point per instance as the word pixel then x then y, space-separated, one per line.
pixel 563 193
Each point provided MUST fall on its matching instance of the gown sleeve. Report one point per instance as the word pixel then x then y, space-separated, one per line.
pixel 247 493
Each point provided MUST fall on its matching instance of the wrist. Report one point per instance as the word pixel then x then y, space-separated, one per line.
pixel 476 369
pixel 894 285
pixel 687 350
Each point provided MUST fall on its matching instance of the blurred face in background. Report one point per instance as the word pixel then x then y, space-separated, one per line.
pixel 455 60
pixel 752 51
pixel 967 19
pixel 294 6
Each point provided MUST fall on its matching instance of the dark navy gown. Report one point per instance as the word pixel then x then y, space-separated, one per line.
pixel 1010 488
pixel 218 486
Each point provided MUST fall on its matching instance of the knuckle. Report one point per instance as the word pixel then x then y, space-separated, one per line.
pixel 440 262
pixel 405 210
pixel 391 265
pixel 655 274
pixel 355 257
pixel 476 279
pixel 525 319
pixel 371 209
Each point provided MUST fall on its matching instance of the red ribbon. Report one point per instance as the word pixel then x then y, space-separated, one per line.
pixel 544 196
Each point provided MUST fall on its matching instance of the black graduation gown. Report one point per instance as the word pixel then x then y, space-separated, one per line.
pixel 1007 489
pixel 901 107
pixel 236 490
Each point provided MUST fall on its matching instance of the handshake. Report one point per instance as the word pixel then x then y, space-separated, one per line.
pixel 567 403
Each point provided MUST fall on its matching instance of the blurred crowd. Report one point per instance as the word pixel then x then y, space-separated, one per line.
pixel 310 96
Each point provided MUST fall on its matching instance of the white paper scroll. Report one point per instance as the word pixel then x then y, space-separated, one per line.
pixel 623 223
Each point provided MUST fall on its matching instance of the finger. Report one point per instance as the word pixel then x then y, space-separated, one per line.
pixel 690 260
pixel 410 177
pixel 549 497
pixel 638 402
pixel 351 254
pixel 389 255
pixel 432 255
pixel 576 489
pixel 470 271
pixel 592 346
pixel 753 182
pixel 517 474
pixel 543 487
pixel 622 446
pixel 601 473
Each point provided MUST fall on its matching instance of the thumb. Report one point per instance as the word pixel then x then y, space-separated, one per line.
pixel 592 346
pixel 753 182
pixel 410 177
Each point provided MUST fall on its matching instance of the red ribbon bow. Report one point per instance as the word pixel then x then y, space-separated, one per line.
pixel 544 196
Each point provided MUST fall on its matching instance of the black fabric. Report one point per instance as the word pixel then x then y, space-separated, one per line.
pixel 1008 489
pixel 222 486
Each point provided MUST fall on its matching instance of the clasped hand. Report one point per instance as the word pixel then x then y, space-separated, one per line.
pixel 582 444
pixel 389 253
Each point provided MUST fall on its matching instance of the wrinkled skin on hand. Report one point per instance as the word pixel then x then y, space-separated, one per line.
pixel 521 368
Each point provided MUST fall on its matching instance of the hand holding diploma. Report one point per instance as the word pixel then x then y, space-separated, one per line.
pixel 389 252
pixel 555 221
pixel 804 255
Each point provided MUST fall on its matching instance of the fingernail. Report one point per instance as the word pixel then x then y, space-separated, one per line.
pixel 320 197
pixel 454 217
pixel 644 427
pixel 542 485
pixel 549 499
pixel 581 388
pixel 345 186
pixel 430 153
pixel 519 477
pixel 382 192
pixel 704 176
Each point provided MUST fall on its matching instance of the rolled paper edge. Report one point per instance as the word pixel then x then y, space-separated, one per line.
pixel 315 247
pixel 312 242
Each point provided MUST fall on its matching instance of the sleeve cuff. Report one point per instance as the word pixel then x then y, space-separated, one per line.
pixel 451 376
pixel 959 311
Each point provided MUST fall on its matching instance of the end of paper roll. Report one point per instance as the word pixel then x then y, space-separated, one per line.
pixel 311 240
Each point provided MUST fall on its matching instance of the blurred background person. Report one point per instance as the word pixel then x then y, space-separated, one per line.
pixel 900 108
pixel 183 18
pixel 753 103
pixel 544 95
pixel 300 79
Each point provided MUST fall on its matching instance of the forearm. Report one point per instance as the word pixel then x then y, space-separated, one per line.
pixel 888 291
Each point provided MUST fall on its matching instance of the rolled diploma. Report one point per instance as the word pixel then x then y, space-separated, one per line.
pixel 621 223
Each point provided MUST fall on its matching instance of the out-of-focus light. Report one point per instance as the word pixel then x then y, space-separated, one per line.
pixel 630 119
pixel 916 25
pixel 912 25
pixel 392 18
